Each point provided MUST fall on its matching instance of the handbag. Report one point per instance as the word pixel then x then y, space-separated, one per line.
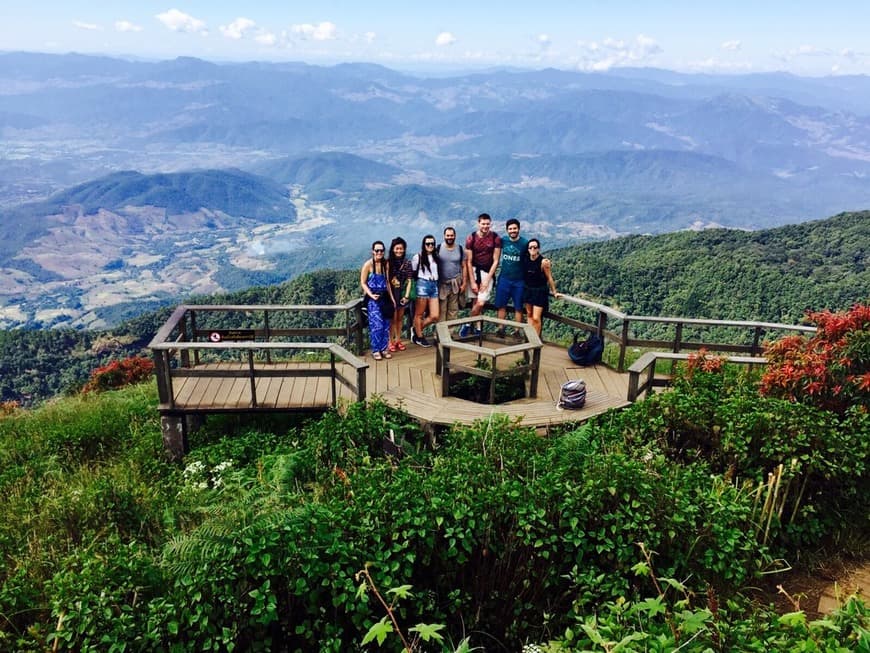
pixel 412 294
pixel 385 304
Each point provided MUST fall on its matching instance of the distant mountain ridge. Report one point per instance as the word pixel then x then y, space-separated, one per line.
pixel 338 156
pixel 233 192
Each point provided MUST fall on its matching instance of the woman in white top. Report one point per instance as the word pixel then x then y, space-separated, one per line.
pixel 425 266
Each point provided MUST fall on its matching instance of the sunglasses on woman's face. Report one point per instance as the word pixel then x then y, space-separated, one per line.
pixel 430 244
pixel 378 250
pixel 533 247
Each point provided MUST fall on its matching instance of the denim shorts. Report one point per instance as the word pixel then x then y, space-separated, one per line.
pixel 427 289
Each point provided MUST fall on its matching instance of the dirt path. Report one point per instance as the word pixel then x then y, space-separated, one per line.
pixel 853 581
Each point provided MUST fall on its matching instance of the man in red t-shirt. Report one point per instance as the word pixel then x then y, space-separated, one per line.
pixel 482 253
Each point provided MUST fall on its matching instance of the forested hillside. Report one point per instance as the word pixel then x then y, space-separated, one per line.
pixel 775 274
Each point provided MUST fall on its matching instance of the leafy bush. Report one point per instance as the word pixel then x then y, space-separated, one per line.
pixel 678 619
pixel 831 369
pixel 504 535
pixel 119 373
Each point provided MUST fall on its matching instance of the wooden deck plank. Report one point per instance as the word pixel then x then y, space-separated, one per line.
pixel 182 388
pixel 239 395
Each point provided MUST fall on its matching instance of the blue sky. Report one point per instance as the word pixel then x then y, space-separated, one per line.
pixel 806 38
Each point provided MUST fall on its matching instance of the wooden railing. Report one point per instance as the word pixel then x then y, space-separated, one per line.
pixel 194 330
pixel 642 378
pixel 617 327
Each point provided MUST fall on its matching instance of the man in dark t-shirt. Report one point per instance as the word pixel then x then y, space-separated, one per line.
pixel 482 254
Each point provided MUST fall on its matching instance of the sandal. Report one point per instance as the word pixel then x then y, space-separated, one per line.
pixel 393 346
pixel 387 354
pixel 400 345
pixel 376 355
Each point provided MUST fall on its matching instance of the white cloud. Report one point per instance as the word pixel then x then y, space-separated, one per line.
pixel 370 37
pixel 732 46
pixel 444 39
pixel 87 26
pixel 266 38
pixel 544 40
pixel 236 29
pixel 127 26
pixel 178 21
pixel 611 53
pixel 808 50
pixel 324 31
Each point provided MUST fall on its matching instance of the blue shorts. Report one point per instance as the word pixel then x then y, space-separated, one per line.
pixel 509 289
pixel 427 289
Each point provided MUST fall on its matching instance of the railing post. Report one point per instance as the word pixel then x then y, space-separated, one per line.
pixel 533 380
pixel 601 323
pixel 332 361
pixel 268 335
pixel 163 372
pixel 182 331
pixel 361 384
pixel 650 377
pixel 623 344
pixel 444 370
pixel 678 343
pixel 360 346
pixel 756 339
pixel 253 378
pixel 633 379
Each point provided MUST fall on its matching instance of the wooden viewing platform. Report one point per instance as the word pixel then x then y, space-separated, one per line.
pixel 408 380
pixel 214 359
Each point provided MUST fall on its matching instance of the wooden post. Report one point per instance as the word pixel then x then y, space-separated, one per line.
pixel 332 361
pixel 268 334
pixel 253 378
pixel 622 346
pixel 756 339
pixel 361 384
pixel 492 379
pixel 174 435
pixel 360 345
pixel 445 372
pixel 182 333
pixel 678 342
pixel 633 378
pixel 533 381
pixel 164 378
pixel 650 376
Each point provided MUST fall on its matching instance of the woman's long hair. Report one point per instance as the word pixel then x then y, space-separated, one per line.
pixel 425 260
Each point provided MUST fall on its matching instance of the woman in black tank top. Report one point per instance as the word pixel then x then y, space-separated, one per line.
pixel 539 280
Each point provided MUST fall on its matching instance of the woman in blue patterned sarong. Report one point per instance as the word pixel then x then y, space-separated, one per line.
pixel 373 279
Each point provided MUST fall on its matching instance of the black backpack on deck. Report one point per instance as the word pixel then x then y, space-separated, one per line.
pixel 587 352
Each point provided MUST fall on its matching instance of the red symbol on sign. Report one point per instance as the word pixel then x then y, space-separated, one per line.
pixel 214 336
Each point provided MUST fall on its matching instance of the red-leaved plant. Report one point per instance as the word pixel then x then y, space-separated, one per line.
pixel 831 369
pixel 9 407
pixel 703 361
pixel 119 373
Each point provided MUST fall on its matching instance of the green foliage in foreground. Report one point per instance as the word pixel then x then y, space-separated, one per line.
pixel 505 537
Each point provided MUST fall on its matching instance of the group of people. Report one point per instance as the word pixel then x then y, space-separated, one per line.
pixel 440 279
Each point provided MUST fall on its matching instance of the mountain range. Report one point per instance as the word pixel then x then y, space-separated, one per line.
pixel 126 184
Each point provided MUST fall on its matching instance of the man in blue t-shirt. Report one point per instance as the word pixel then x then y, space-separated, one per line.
pixel 511 282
